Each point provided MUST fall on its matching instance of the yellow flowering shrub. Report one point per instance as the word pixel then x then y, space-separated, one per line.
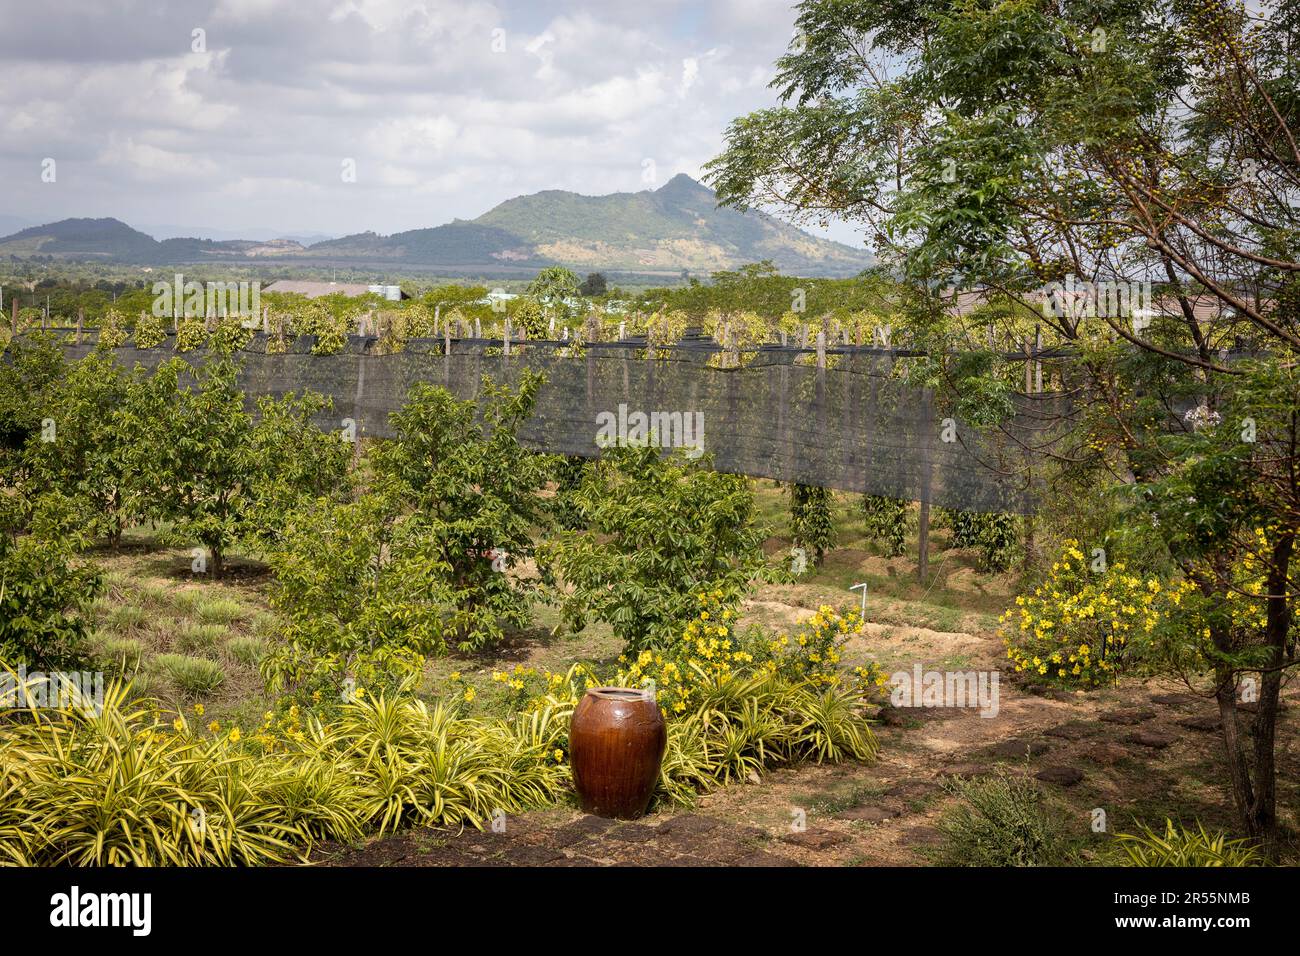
pixel 1080 627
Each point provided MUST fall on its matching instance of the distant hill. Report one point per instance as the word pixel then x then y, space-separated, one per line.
pixel 678 226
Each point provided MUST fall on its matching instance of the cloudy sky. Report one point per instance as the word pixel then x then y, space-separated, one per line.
pixel 248 116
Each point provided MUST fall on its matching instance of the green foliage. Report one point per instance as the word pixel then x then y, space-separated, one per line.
pixel 1001 820
pixel 191 334
pixel 594 285
pixel 995 534
pixel 46 592
pixel 112 330
pixel 1183 846
pixel 214 473
pixel 32 368
pixel 89 448
pixel 193 676
pixel 529 315
pixel 150 331
pixel 810 519
pixel 660 531
pixel 886 520
pixel 363 590
pixel 475 488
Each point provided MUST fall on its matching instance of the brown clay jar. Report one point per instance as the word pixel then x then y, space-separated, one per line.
pixel 616 743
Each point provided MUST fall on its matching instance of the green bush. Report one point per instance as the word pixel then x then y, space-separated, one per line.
pixel 810 519
pixel 886 520
pixel 46 590
pixel 1001 821
pixel 661 530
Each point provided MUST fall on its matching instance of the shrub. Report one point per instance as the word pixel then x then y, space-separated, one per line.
pixel 193 676
pixel 474 491
pixel 150 331
pixel 1183 846
pixel 46 591
pixel 1000 821
pixel 362 591
pixel 886 520
pixel 810 519
pixel 1081 627
pixel 661 530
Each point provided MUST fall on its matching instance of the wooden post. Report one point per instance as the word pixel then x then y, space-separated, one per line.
pixel 446 339
pixel 478 327
pixel 1038 362
pixel 505 337
pixel 821 350
pixel 81 320
pixel 266 321
pixel 923 524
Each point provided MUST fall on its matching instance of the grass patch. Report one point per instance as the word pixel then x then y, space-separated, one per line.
pixel 193 676
pixel 246 649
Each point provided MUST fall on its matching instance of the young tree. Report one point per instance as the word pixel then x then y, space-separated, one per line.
pixel 84 446
pixel 660 532
pixel 216 473
pixel 476 490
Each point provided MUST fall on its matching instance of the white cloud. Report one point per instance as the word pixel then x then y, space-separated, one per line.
pixel 440 125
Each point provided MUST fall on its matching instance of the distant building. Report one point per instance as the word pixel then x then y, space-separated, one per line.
pixel 314 290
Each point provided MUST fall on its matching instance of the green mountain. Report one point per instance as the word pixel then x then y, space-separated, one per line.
pixel 676 227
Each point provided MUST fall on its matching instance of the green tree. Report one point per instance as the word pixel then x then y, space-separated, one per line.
pixel 46 590
pixel 476 489
pixel 218 474
pixel 661 530
pixel 594 285
pixel 85 447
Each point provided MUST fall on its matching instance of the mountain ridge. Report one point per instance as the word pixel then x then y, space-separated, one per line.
pixel 677 227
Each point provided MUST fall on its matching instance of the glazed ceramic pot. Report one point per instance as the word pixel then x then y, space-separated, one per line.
pixel 616 743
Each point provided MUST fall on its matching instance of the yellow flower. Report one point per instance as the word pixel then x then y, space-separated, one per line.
pixel 214 726
pixel 178 724
pixel 470 694
pixel 234 736
pixel 198 709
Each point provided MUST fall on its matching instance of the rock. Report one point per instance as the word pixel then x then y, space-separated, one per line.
pixel 1018 749
pixel 875 814
pixel 1155 739
pixel 762 858
pixel 892 716
pixel 1206 722
pixel 1128 717
pixel 964 770
pixel 688 823
pixel 1173 700
pixel 754 777
pixel 1106 754
pixel 815 839
pixel 1074 730
pixel 1061 776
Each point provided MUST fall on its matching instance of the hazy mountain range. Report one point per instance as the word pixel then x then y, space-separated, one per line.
pixel 673 228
